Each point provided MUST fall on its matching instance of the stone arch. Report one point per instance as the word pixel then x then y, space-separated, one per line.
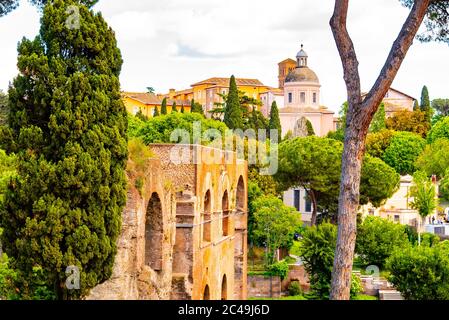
pixel 206 217
pixel 206 293
pixel 154 233
pixel 224 288
pixel 240 195
pixel 225 211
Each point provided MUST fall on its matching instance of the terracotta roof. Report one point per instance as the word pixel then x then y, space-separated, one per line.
pixel 408 96
pixel 224 82
pixel 276 91
pixel 143 97
pixel 287 60
pixel 152 99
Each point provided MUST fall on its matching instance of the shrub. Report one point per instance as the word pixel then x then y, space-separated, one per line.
pixel 439 130
pixel 274 224
pixel 294 289
pixel 377 143
pixel 404 149
pixel 317 252
pixel 421 273
pixel 279 269
pixel 377 238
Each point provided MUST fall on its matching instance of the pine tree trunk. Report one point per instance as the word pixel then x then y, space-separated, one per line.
pixel 348 208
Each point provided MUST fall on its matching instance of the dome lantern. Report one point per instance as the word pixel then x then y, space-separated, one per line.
pixel 301 58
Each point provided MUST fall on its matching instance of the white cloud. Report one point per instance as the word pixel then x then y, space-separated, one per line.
pixel 174 43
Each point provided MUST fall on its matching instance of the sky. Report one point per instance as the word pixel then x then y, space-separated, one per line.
pixel 175 43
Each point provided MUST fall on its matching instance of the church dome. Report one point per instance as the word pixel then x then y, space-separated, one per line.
pixel 302 74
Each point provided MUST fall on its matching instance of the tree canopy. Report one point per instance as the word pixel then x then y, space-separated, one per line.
pixel 434 160
pixel 68 125
pixel 275 121
pixel 410 121
pixel 404 149
pixel 7 6
pixel 441 106
pixel 233 115
pixel 439 130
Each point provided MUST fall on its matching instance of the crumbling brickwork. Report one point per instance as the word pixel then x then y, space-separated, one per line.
pixel 184 235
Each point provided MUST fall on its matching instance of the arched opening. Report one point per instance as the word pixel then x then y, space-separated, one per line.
pixel 225 210
pixel 206 221
pixel 224 288
pixel 240 197
pixel 206 294
pixel 154 233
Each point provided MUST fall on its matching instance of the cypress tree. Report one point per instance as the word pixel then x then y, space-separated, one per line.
pixel 275 121
pixel 233 116
pixel 174 108
pixel 310 131
pixel 425 103
pixel 164 106
pixel 156 112
pixel 182 108
pixel 69 126
pixel 416 106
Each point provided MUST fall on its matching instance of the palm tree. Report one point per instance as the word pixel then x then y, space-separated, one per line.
pixel 425 198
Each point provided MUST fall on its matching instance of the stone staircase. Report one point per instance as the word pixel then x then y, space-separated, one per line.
pixel 390 295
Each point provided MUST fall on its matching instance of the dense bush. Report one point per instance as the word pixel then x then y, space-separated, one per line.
pixel 434 159
pixel 439 130
pixel 317 251
pixel 274 224
pixel 421 273
pixel 404 149
pixel 377 143
pixel 279 269
pixel 169 128
pixel 377 238
pixel 294 289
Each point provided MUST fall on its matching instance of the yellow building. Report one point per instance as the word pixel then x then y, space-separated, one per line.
pixel 146 102
pixel 205 92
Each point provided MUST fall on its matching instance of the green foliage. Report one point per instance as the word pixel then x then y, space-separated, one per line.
pixel 338 135
pixel 274 224
pixel 425 100
pixel 317 251
pixel 233 116
pixel 164 106
pixel 421 273
pixel 254 192
pixel 378 183
pixel 279 269
pixel 8 278
pixel 377 238
pixel 256 121
pixel 416 106
pixel 310 131
pixel 196 108
pixel 141 116
pixel 378 142
pixel 404 149
pixel 427 239
pixel 7 171
pixel 160 129
pixel 182 109
pixel 294 289
pixel 364 297
pixel 434 159
pixel 174 108
pixel 439 130
pixel 441 107
pixel 444 186
pixel 416 121
pixel 69 128
pixel 4 110
pixel 315 164
pixel 424 194
pixel 378 122
pixel 275 121
pixel 156 112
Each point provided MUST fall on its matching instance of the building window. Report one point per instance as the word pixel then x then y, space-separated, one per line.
pixel 297 196
pixel 308 203
pixel 303 97
pixel 290 97
pixel 396 218
pixel 314 98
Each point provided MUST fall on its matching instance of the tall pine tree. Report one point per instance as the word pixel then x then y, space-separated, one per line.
pixel 425 103
pixel 69 128
pixel 275 121
pixel 156 112
pixel 174 108
pixel 164 106
pixel 233 116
